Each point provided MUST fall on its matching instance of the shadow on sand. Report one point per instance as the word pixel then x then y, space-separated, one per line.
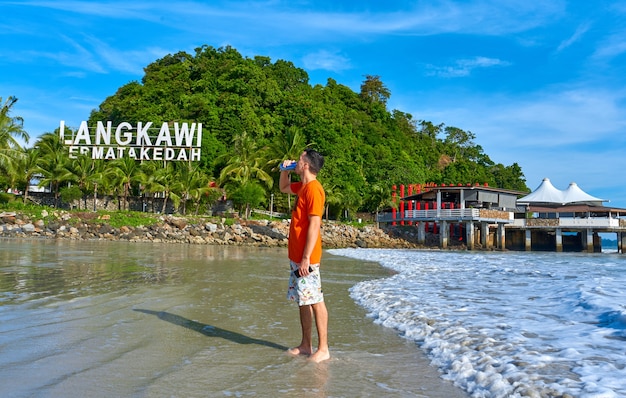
pixel 209 330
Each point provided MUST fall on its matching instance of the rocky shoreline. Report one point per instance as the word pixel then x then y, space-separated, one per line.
pixel 171 229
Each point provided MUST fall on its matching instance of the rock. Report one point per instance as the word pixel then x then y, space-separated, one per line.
pixel 269 233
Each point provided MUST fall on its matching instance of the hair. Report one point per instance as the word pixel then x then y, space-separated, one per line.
pixel 316 160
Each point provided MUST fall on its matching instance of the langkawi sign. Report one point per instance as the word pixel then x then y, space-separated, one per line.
pixel 180 142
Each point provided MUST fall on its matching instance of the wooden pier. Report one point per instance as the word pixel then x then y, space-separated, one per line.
pixel 487 217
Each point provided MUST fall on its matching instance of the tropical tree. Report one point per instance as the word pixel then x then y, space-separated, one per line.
pixel 334 197
pixel 374 90
pixel 125 171
pixel 245 162
pixel 286 146
pixel 247 196
pixel 81 169
pixel 165 181
pixel 192 183
pixel 53 168
pixel 11 130
pixel 380 194
pixel 26 168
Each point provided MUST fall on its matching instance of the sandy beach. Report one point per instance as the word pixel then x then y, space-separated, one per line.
pixel 148 320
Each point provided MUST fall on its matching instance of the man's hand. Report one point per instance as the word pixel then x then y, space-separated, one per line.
pixel 303 268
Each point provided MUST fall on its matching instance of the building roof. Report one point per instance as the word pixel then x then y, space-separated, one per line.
pixel 575 208
pixel 547 194
pixel 432 191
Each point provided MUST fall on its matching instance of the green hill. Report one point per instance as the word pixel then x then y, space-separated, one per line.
pixel 256 112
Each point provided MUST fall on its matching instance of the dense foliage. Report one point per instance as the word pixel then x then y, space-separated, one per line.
pixel 256 113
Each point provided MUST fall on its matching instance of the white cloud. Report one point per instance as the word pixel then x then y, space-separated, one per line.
pixel 613 46
pixel 567 134
pixel 464 67
pixel 491 17
pixel 577 36
pixel 326 60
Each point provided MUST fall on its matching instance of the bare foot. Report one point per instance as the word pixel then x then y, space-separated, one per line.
pixel 295 351
pixel 320 356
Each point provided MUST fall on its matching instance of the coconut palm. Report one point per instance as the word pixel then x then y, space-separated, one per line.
pixel 28 166
pixel 11 130
pixel 125 171
pixel 53 168
pixel 286 146
pixel 165 181
pixel 333 197
pixel 245 162
pixel 191 181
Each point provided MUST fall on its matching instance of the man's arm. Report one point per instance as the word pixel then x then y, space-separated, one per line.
pixel 315 223
pixel 285 182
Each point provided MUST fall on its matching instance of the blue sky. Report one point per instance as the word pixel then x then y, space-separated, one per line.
pixel 540 83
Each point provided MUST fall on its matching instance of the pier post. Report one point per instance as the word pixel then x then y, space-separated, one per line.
pixel 501 237
pixel 559 239
pixel 620 242
pixel 469 235
pixel 393 208
pixel 528 242
pixel 444 232
pixel 589 243
pixel 421 232
pixel 484 235
pixel 401 204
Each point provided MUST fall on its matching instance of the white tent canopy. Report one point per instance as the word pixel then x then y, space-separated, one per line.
pixel 546 193
pixel 573 194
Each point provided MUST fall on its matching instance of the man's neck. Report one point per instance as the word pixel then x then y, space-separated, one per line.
pixel 307 177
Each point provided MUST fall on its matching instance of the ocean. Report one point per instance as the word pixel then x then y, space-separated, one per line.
pixel 121 319
pixel 507 324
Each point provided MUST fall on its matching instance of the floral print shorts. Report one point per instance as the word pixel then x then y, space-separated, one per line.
pixel 307 290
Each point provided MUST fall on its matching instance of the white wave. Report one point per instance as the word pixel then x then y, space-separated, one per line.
pixel 507 324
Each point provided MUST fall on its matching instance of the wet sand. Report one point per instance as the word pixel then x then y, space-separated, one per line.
pixel 104 319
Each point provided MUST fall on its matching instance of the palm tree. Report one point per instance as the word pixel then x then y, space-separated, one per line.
pixel 381 195
pixel 191 179
pixel 125 171
pixel 147 178
pixel 245 163
pixel 333 197
pixel 97 179
pixel 81 169
pixel 11 129
pixel 286 146
pixel 165 181
pixel 53 168
pixel 28 166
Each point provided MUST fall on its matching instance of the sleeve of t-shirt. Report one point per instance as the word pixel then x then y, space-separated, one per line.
pixel 296 186
pixel 316 202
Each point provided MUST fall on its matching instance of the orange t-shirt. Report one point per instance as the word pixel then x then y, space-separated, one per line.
pixel 310 202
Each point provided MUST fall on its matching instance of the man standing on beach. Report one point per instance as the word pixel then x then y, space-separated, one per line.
pixel 305 252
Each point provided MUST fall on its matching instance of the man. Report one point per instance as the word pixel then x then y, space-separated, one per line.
pixel 305 252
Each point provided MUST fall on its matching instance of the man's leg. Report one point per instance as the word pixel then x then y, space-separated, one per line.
pixel 306 321
pixel 321 322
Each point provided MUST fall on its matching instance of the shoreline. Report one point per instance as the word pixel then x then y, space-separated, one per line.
pixel 173 229
pixel 191 320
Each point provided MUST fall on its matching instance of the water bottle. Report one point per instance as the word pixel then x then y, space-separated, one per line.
pixel 290 167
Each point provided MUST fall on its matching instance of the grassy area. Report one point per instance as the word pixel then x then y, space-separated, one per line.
pixel 115 219
pixel 118 219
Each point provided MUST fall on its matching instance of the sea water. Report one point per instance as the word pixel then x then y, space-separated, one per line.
pixel 121 319
pixel 507 324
